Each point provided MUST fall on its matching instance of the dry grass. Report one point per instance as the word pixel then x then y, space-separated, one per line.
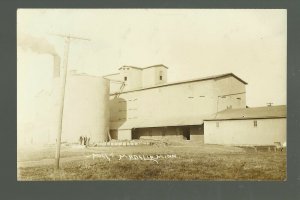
pixel 192 162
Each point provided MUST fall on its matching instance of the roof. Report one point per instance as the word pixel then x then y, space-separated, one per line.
pixel 140 68
pixel 189 81
pixel 132 67
pixel 111 74
pixel 160 65
pixel 266 112
pixel 151 122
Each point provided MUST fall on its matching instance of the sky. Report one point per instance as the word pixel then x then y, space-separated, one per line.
pixel 193 43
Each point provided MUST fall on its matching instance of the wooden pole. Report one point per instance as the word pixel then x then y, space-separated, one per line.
pixel 62 100
pixel 62 92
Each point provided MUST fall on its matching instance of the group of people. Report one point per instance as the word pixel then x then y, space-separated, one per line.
pixel 83 140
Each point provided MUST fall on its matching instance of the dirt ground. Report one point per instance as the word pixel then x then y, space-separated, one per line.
pixel 179 161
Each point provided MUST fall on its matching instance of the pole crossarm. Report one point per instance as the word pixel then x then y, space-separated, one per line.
pixel 71 36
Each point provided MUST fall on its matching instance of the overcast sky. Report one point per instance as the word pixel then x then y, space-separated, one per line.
pixel 192 43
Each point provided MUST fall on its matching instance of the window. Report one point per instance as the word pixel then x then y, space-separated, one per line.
pixel 255 123
pixel 125 78
pixel 160 75
pixel 217 124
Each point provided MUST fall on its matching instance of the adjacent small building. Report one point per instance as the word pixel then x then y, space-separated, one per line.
pixel 247 126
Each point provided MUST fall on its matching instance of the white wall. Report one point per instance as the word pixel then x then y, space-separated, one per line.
pixel 180 104
pixel 243 132
pixel 124 134
pixel 164 104
pixel 134 78
pixel 86 111
pixel 148 77
pixel 114 86
pixel 234 96
pixel 151 76
pixel 164 73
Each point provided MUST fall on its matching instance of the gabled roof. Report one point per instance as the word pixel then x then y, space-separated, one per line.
pixel 250 113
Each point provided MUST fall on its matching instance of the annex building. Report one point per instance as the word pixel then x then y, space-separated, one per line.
pixel 247 126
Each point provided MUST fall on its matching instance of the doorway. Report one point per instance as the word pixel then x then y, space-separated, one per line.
pixel 186 133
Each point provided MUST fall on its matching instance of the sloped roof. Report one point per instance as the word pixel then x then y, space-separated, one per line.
pixel 111 74
pixel 189 81
pixel 131 67
pixel 209 78
pixel 147 123
pixel 251 113
pixel 160 65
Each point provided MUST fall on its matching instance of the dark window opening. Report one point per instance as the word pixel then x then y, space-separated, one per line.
pixel 160 75
pixel 125 78
pixel 255 123
pixel 135 134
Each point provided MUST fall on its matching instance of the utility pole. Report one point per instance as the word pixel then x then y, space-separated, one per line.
pixel 68 39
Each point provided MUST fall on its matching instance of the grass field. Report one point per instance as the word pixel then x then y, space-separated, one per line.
pixel 186 161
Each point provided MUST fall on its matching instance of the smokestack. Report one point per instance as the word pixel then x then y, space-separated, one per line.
pixel 41 46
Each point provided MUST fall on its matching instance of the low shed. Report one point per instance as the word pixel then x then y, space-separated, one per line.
pixel 247 126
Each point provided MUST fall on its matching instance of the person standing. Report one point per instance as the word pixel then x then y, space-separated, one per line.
pixel 80 140
pixel 88 141
pixel 84 140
